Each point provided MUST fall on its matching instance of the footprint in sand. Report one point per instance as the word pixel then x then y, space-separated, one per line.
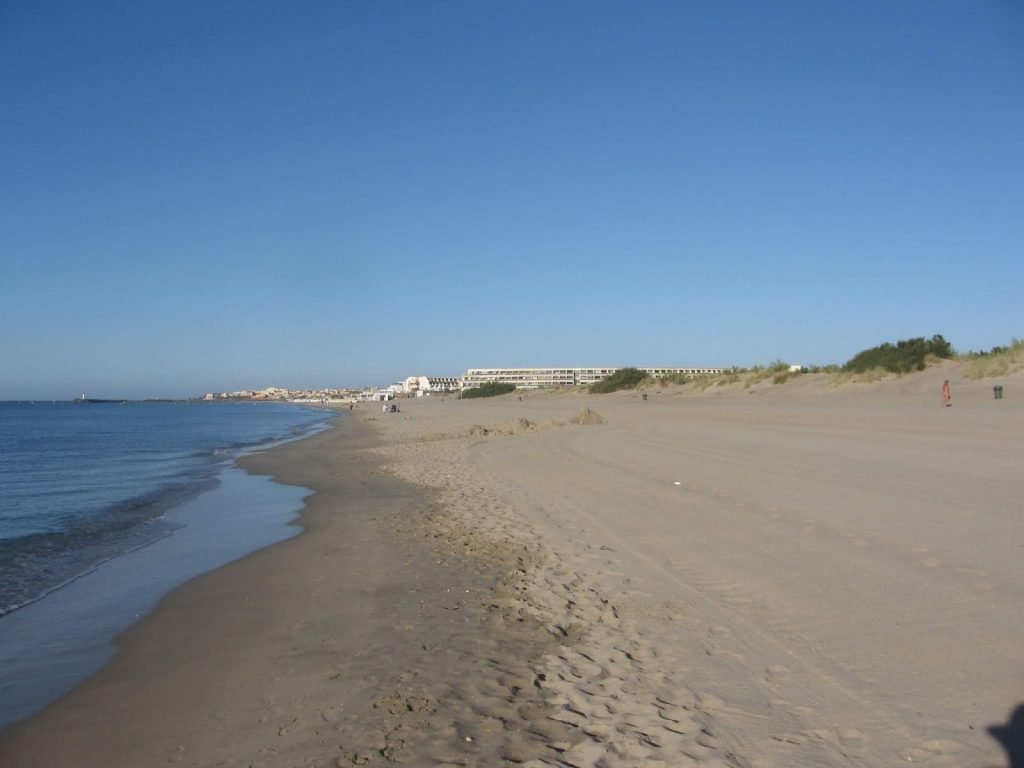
pixel 737 601
pixel 978 579
pixel 933 751
pixel 790 738
pixel 851 737
pixel 722 653
pixel 673 694
pixel 776 673
pixel 677 720
pixel 708 702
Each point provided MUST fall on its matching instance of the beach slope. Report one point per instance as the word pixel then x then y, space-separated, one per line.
pixel 802 575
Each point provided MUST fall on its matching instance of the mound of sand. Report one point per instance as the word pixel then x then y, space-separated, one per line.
pixel 587 416
pixel 521 426
pixel 515 427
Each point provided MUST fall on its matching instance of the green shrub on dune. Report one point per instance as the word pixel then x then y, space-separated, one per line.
pixel 681 379
pixel 490 389
pixel 624 378
pixel 902 357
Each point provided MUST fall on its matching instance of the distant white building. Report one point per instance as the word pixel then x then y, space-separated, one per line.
pixel 419 385
pixel 377 395
pixel 533 378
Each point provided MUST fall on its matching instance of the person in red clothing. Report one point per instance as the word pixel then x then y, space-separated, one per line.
pixel 947 395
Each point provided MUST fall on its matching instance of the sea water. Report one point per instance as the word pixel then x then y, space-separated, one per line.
pixel 106 507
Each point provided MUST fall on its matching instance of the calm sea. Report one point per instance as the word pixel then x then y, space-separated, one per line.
pixel 104 508
pixel 83 483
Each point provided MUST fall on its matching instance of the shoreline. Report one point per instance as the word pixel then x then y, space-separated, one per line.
pixel 325 624
pixel 65 532
pixel 700 580
pixel 54 643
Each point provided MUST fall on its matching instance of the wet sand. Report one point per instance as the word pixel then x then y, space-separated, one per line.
pixel 793 575
pixel 329 649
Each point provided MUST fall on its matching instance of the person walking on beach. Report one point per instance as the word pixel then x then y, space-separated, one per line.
pixel 947 395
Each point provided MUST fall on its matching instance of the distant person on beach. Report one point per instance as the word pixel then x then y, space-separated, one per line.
pixel 947 395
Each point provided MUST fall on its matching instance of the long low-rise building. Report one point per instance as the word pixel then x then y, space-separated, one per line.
pixel 421 385
pixel 532 378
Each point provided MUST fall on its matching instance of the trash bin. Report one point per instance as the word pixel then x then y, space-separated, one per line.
pixel 998 392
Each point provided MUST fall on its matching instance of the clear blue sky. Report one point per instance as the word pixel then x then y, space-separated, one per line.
pixel 207 196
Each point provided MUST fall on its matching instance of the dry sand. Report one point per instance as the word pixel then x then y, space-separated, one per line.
pixel 791 575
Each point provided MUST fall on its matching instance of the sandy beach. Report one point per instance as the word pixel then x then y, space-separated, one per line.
pixel 793 575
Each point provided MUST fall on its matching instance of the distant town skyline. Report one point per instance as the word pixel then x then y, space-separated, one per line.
pixel 209 197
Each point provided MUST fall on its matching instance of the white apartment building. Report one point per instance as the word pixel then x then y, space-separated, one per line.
pixel 532 378
pixel 417 385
